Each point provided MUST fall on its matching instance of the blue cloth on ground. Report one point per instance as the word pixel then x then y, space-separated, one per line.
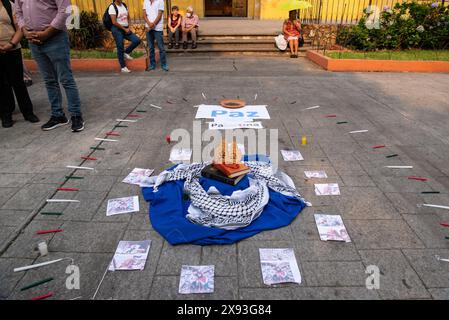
pixel 168 210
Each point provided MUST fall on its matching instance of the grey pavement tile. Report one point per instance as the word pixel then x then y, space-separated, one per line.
pixel 8 278
pixel 13 218
pixel 382 234
pixel 223 257
pixel 317 250
pixel 173 257
pixel 397 280
pixel 6 233
pixel 428 229
pixel 346 164
pixel 29 197
pixel 14 180
pixel 88 237
pixel 357 181
pixel 335 293
pixel 364 203
pixel 6 194
pixel 431 271
pixel 440 294
pixel 334 273
pixel 284 293
pixel 166 288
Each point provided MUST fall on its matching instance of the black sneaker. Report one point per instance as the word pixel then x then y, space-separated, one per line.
pixel 31 118
pixel 7 121
pixel 55 122
pixel 184 45
pixel 177 46
pixel 77 123
pixel 170 45
pixel 194 45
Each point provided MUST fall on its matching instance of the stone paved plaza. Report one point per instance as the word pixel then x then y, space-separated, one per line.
pixel 407 112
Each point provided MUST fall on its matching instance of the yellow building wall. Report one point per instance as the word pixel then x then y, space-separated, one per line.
pixel 265 9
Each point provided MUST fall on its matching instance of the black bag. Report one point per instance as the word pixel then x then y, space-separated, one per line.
pixel 8 8
pixel 107 21
pixel 301 41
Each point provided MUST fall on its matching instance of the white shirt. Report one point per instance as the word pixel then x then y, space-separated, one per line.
pixel 152 10
pixel 122 16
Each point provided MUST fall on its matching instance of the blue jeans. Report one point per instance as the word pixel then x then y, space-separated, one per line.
pixel 119 37
pixel 159 37
pixel 53 60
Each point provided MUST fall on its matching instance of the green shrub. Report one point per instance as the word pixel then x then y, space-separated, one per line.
pixel 91 33
pixel 405 26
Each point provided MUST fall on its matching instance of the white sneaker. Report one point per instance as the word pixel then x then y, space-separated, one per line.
pixel 125 70
pixel 128 57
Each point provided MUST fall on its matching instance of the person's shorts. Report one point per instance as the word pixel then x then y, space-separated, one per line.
pixel 292 38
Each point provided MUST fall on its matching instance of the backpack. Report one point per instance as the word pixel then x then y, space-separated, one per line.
pixel 8 8
pixel 107 21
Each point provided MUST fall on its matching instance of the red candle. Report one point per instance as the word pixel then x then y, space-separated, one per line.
pixel 378 147
pixel 68 189
pixel 89 158
pixel 45 296
pixel 418 178
pixel 50 231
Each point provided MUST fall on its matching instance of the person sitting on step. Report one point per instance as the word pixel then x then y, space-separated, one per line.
pixel 190 24
pixel 292 32
pixel 174 27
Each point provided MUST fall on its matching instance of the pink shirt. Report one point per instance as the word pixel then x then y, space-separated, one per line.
pixel 38 15
pixel 189 22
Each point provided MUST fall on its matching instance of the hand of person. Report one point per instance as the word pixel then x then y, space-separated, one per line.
pixel 151 25
pixel 127 30
pixel 42 36
pixel 7 47
pixel 31 36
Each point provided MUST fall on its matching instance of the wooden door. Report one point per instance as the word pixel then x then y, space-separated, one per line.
pixel 239 8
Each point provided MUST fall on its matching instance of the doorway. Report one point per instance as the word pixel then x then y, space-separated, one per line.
pixel 226 8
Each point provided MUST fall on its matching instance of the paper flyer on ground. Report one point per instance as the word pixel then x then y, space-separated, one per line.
pixel 292 155
pixel 180 155
pixel 279 266
pixel 331 228
pixel 196 279
pixel 220 113
pixel 327 189
pixel 319 174
pixel 130 255
pixel 122 205
pixel 139 177
pixel 235 125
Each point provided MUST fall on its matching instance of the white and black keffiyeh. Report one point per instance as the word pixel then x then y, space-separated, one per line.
pixel 228 212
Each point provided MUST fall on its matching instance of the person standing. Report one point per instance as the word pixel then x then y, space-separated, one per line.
pixel 43 24
pixel 120 30
pixel 153 13
pixel 190 24
pixel 11 69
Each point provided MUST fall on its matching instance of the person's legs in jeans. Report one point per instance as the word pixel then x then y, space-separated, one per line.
pixel 135 41
pixel 177 31
pixel 119 38
pixel 14 73
pixel 159 35
pixel 150 41
pixel 50 78
pixel 53 58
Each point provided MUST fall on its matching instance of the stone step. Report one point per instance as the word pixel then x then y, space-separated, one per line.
pixel 236 41
pixel 206 48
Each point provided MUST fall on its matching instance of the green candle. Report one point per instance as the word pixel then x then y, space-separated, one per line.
pixel 392 155
pixel 73 177
pixel 97 148
pixel 430 192
pixel 35 284
pixel 52 213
